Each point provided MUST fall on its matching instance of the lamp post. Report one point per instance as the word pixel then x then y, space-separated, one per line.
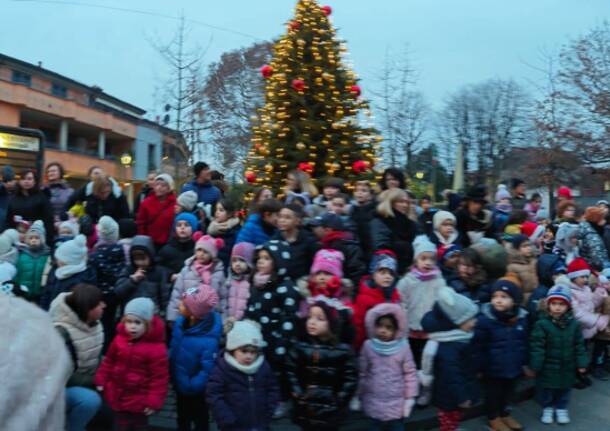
pixel 126 161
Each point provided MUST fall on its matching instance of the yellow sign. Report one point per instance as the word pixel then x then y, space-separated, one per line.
pixel 17 142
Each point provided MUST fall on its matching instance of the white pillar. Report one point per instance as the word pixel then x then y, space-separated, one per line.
pixel 63 135
pixel 458 173
pixel 101 144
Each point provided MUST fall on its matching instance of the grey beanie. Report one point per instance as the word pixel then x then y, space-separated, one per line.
pixel 188 200
pixel 144 308
pixel 422 244
pixel 108 229
pixel 37 228
pixel 457 308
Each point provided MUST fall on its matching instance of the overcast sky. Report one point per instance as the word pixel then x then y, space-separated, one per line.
pixel 452 42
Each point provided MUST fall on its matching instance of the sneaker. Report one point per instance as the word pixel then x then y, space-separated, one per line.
pixel 425 397
pixel 281 410
pixel 547 416
pixel 562 417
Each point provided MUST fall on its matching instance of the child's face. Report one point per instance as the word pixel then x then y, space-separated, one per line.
pixel 245 355
pixel 446 228
pixel 557 307
pixel 95 313
pixel 465 270
pixel 184 312
pixel 184 230
pixel 504 201
pixel 385 329
pixel 221 215
pixel 452 261
pixel 383 277
pixel 34 241
pixel 287 220
pixel 203 256
pixel 317 323
pixel 501 301
pixel 238 265
pixel 526 249
pixel 425 262
pixel 474 207
pixel 319 231
pixel 271 218
pixel 548 235
pixel 330 192
pixel 362 194
pixel 425 204
pixel 141 260
pixel 321 278
pixel 391 181
pixel 265 194
pixel 135 326
pixel 337 206
pixel 581 281
pixel 264 262
pixel 468 326
pixel 64 231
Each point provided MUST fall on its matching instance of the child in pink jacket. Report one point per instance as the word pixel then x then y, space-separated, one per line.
pixel 388 378
pixel 236 291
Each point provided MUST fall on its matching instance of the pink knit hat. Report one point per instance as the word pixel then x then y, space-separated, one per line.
pixel 244 251
pixel 200 300
pixel 209 244
pixel 328 260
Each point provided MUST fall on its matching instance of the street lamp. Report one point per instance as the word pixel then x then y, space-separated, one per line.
pixel 419 175
pixel 126 159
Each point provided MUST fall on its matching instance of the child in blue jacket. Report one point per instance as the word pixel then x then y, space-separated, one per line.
pixel 501 341
pixel 192 355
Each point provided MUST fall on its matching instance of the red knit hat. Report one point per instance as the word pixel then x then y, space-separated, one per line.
pixel 578 268
pixel 532 230
pixel 564 192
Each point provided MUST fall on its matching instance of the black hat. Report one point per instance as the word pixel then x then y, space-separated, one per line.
pixel 477 193
pixel 516 182
pixel 329 220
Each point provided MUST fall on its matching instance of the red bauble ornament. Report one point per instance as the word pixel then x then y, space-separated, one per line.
pixel 298 84
pixel 360 166
pixel 355 90
pixel 306 167
pixel 327 10
pixel 266 71
pixel 250 176
pixel 295 25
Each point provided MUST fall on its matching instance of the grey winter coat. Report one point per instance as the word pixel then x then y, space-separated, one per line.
pixel 592 248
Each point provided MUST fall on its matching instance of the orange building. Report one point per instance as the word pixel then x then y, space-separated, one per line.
pixel 83 126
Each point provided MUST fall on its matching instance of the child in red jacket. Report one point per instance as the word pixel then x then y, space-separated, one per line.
pixel 133 376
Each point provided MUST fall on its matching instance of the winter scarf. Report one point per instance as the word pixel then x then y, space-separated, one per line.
pixel 335 236
pixel 452 238
pixel 331 290
pixel 66 271
pixel 425 276
pixel 216 229
pixel 204 271
pixel 505 208
pixel 453 335
pixel 246 369
pixel 260 280
pixel 387 348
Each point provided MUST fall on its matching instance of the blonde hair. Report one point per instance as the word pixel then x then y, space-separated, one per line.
pixel 100 183
pixel 387 199
pixel 304 182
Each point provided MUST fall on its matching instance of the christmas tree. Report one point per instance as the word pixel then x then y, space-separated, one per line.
pixel 312 116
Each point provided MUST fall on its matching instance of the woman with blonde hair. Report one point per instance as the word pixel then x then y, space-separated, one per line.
pixel 392 229
pixel 299 187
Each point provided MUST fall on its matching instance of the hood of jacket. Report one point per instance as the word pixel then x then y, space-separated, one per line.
pixel 487 312
pixel 116 189
pixel 145 243
pixel 209 326
pixel 547 265
pixel 280 253
pixel 379 310
pixel 61 312
pixel 155 334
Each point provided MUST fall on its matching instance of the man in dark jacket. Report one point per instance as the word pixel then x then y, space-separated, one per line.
pixel 207 193
pixel 146 190
pixel 302 243
pixel 518 191
pixel 473 220
pixel 362 212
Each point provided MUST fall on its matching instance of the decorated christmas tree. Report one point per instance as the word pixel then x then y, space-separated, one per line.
pixel 313 112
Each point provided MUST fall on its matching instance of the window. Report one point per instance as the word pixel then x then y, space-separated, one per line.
pixel 22 78
pixel 59 90
pixel 152 160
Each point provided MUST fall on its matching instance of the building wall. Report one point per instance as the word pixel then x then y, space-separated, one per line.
pixel 147 138
pixel 9 115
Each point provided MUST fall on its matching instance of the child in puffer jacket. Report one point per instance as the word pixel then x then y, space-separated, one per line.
pixel 522 261
pixel 193 351
pixel 226 226
pixel 108 261
pixel 34 263
pixel 133 376
pixel 180 245
pixel 326 279
pixel 242 391
pixel 236 291
pixel 388 379
pixel 203 268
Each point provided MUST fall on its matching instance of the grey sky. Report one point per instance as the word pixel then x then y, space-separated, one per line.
pixel 452 42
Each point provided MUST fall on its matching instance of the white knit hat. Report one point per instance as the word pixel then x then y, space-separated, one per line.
pixel 167 178
pixel 244 333
pixel 73 252
pixel 422 244
pixel 70 225
pixel 108 229
pixel 144 308
pixel 440 216
pixel 188 200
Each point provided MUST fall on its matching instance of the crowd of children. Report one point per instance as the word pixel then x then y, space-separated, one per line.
pixel 317 304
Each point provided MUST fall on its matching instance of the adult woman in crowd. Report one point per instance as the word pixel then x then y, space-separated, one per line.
pixel 473 220
pixel 156 214
pixel 106 198
pixel 31 204
pixel 393 178
pixel 299 186
pixel 76 316
pixel 566 212
pixel 392 228
pixel 58 190
pixel 591 236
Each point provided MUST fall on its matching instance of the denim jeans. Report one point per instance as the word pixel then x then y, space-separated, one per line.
pixel 556 398
pixel 81 405
pixel 394 425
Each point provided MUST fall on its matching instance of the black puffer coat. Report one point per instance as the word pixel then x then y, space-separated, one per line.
pixel 108 261
pixel 35 206
pixel 361 216
pixel 302 252
pixel 397 234
pixel 173 254
pixel 323 378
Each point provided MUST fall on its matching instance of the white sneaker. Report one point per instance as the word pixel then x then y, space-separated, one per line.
pixel 547 416
pixel 562 417
pixel 281 410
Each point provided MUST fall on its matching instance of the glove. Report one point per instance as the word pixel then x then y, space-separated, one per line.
pixel 354 404
pixel 406 410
